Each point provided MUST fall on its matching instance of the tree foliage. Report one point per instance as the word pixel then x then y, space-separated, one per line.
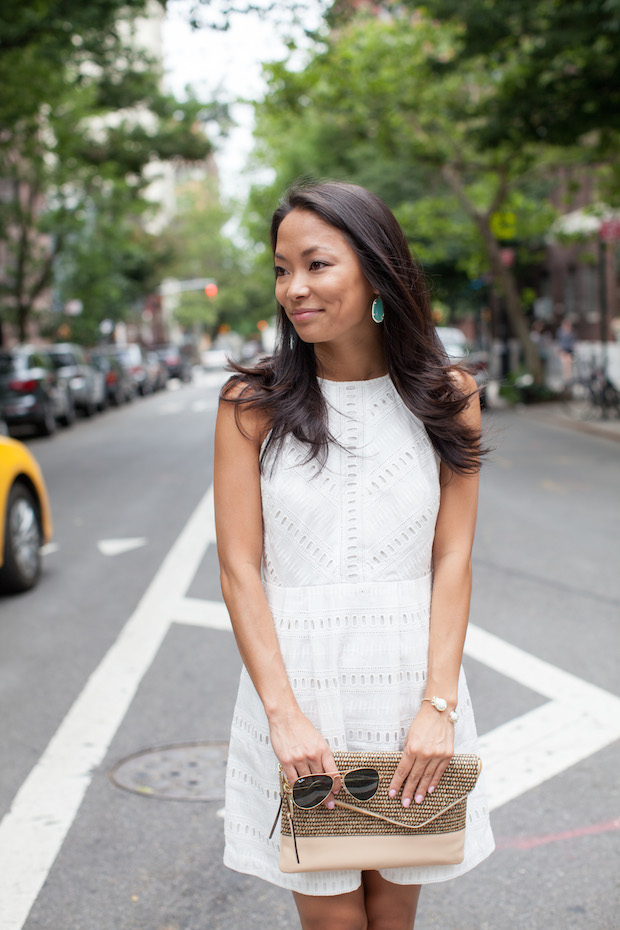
pixel 377 104
pixel 555 64
pixel 77 152
pixel 199 247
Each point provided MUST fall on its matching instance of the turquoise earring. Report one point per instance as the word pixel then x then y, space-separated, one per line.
pixel 377 310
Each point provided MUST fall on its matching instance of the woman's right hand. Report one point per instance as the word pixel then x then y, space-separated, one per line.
pixel 300 748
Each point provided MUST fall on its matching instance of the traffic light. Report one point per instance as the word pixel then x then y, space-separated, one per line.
pixel 211 289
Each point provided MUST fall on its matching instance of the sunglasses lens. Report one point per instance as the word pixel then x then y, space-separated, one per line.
pixel 362 783
pixel 310 790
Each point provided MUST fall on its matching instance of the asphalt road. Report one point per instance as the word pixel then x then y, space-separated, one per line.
pixel 124 647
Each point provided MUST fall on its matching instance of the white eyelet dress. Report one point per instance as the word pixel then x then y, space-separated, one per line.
pixel 347 575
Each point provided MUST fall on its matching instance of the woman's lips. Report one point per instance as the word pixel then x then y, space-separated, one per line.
pixel 304 313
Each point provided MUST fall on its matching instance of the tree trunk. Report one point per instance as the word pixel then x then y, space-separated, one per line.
pixel 518 321
pixel 23 312
pixel 501 272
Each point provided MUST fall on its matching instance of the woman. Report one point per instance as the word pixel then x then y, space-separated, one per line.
pixel 345 474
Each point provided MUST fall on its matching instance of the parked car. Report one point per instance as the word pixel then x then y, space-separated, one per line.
pixel 118 383
pixel 177 361
pixel 460 351
pixel 32 391
pixel 85 383
pixel 25 517
pixel 133 358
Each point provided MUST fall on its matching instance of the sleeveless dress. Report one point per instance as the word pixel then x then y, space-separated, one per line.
pixel 347 574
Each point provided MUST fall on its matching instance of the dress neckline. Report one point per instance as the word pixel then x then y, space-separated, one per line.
pixel 345 383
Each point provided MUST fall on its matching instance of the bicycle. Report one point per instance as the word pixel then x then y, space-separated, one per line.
pixel 591 395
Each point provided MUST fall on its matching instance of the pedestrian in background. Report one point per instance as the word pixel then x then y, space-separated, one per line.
pixel 346 481
pixel 565 345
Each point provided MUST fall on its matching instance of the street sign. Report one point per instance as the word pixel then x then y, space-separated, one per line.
pixel 610 230
pixel 504 225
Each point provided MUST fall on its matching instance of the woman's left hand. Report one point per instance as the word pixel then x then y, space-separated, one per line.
pixel 428 750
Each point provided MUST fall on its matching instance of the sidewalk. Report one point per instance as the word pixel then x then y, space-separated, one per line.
pixel 556 414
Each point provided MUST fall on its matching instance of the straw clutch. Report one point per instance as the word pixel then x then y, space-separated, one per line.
pixel 379 833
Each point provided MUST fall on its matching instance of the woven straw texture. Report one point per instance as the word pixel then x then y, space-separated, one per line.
pixel 445 809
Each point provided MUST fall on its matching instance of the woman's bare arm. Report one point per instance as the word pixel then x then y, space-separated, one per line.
pixel 238 519
pixel 430 741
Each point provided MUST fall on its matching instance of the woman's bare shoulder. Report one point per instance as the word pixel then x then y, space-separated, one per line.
pixel 240 401
pixel 464 381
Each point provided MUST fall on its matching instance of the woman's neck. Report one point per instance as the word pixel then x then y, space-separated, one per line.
pixel 350 365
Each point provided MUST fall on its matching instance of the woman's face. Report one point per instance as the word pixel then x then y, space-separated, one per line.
pixel 320 283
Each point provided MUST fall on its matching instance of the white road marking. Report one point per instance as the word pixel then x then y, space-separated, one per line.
pixel 33 830
pixel 119 546
pixel 578 720
pixel 49 548
pixel 195 612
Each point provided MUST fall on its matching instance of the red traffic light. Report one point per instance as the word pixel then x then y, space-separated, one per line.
pixel 211 290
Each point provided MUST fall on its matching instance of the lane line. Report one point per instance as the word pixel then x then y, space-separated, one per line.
pixel 527 669
pixel 192 611
pixel 34 829
pixel 531 842
pixel 113 547
pixel 527 751
pixel 579 719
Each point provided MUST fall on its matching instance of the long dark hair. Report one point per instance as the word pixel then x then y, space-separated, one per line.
pixel 285 387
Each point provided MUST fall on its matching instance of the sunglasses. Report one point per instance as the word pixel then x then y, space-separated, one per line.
pixel 311 790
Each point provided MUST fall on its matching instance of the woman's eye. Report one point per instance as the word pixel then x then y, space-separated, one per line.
pixel 317 265
pixel 279 271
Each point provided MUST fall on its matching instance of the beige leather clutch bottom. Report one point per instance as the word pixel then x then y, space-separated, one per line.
pixel 379 833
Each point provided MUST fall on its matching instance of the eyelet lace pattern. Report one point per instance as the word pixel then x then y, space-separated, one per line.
pixel 347 574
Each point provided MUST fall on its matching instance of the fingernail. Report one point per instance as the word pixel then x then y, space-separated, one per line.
pixel 419 798
pixel 330 805
pixel 392 792
pixel 431 789
pixel 406 802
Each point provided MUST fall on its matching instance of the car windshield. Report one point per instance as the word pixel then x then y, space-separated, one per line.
pixel 61 359
pixel 9 364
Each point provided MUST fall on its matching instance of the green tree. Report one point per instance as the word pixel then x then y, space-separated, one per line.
pixel 375 105
pixel 200 248
pixel 74 160
pixel 555 66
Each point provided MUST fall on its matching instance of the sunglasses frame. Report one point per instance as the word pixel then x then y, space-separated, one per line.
pixel 342 776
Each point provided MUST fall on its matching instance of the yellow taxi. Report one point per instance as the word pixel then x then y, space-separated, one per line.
pixel 25 516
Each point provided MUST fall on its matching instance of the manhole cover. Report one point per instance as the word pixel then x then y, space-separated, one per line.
pixel 183 772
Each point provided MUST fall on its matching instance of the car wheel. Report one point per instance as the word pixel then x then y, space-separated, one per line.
pixel 47 424
pixel 22 541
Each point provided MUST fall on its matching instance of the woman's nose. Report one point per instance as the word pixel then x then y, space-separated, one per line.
pixel 298 285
